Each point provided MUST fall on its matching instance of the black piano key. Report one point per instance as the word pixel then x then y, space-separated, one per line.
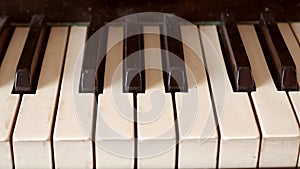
pixel 100 69
pixel 30 62
pixel 94 53
pixel 6 31
pixel 173 59
pixel 235 56
pixel 133 57
pixel 278 57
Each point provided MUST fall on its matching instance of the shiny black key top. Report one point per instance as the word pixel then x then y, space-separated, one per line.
pixel 94 53
pixel 6 31
pixel 133 57
pixel 173 60
pixel 235 56
pixel 278 57
pixel 30 62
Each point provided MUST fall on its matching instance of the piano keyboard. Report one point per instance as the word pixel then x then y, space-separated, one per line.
pixel 235 103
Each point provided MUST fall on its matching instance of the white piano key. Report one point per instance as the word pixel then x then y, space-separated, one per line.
pixel 72 138
pixel 296 29
pixel 115 119
pixel 198 136
pixel 293 46
pixel 294 49
pixel 239 144
pixel 32 141
pixel 280 131
pixel 155 118
pixel 9 102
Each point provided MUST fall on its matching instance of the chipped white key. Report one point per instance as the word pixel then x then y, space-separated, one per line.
pixel 239 142
pixel 155 118
pixel 293 46
pixel 32 134
pixel 9 102
pixel 280 131
pixel 198 137
pixel 115 119
pixel 72 138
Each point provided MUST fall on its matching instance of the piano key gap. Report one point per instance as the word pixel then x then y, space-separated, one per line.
pixel 94 122
pixel 135 131
pixel 258 126
pixel 176 129
pixel 13 129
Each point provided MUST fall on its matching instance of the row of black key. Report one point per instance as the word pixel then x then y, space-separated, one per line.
pixel 280 62
pixel 277 55
pixel 133 81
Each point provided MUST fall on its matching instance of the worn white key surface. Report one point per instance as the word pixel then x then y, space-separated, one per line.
pixel 72 138
pixel 197 128
pixel 293 46
pixel 9 102
pixel 32 134
pixel 115 122
pixel 156 128
pixel 280 131
pixel 239 142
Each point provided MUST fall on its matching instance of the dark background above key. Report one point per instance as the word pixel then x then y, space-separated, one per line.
pixel 21 11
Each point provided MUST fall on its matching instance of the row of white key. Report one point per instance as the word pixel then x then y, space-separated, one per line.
pixel 279 128
pixel 239 135
pixel 198 133
pixel 294 48
pixel 156 133
pixel 276 119
pixel 33 140
pixel 73 129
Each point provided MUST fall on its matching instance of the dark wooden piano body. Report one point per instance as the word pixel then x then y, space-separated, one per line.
pixel 192 10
